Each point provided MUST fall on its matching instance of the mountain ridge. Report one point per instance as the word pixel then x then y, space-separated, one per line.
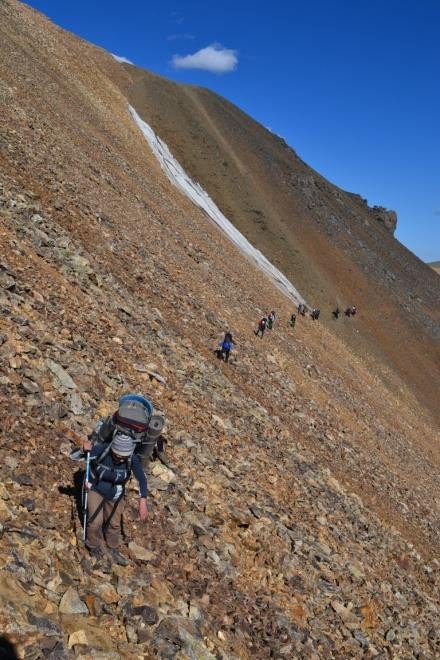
pixel 322 269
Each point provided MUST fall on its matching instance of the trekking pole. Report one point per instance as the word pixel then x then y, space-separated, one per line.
pixel 86 492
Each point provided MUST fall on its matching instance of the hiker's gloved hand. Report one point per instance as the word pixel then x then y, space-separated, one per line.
pixel 143 510
pixel 87 485
pixel 87 445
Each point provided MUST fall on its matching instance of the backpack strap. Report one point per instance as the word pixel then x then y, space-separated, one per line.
pixel 107 522
pixel 99 459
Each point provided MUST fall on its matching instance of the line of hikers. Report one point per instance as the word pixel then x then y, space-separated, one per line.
pixel 123 444
pixel 226 345
pixel 268 319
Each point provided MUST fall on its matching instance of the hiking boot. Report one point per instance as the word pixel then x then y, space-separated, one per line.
pixel 95 553
pixel 117 557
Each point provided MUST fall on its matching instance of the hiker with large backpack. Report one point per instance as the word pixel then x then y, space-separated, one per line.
pixel 271 319
pixel 111 465
pixel 262 325
pixel 136 418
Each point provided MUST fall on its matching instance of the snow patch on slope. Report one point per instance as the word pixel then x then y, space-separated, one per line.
pixel 122 60
pixel 200 198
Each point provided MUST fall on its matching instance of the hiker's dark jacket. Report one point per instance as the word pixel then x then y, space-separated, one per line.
pixel 107 475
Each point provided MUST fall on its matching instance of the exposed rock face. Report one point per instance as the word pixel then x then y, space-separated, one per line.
pixel 387 218
pixel 299 514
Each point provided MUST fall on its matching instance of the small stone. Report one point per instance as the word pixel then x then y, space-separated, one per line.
pixel 28 504
pixel 107 593
pixel 158 377
pixel 29 386
pixel 149 615
pixel 346 615
pixel 61 374
pixel 11 462
pixel 164 473
pixel 138 552
pixel 78 637
pixel 71 603
pixel 76 404
pixel 79 264
pixel 24 480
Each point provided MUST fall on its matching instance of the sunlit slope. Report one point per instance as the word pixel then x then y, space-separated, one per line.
pixel 301 515
pixel 325 240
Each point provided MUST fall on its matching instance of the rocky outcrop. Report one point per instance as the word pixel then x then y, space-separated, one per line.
pixel 387 218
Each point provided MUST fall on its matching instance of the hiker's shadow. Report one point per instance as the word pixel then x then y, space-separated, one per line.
pixel 7 649
pixel 75 491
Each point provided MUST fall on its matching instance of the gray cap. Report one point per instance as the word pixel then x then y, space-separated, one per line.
pixel 123 445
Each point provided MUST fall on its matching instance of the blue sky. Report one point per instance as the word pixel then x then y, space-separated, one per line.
pixel 352 85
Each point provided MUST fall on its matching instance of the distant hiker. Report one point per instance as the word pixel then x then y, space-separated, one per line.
pixel 336 312
pixel 271 320
pixel 110 468
pixel 315 314
pixel 261 326
pixel 353 311
pixel 136 418
pixel 293 320
pixel 226 347
pixel 302 309
pixel 348 311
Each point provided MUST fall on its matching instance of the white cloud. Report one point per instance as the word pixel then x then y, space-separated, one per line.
pixel 213 58
pixel 121 59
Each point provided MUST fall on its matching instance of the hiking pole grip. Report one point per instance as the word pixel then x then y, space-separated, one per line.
pixel 86 493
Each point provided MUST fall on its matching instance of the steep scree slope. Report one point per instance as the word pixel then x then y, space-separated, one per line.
pixel 328 242
pixel 300 517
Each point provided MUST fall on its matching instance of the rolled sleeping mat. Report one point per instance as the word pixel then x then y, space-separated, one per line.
pixel 146 448
pixel 155 426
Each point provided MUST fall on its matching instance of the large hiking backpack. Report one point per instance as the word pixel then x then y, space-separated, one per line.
pixel 134 417
pixel 133 414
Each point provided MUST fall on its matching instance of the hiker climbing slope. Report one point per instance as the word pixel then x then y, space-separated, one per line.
pixel 271 319
pixel 110 469
pixel 226 346
pixel 262 325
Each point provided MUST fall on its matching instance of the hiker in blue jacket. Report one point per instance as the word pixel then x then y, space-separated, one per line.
pixel 110 469
pixel 226 346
